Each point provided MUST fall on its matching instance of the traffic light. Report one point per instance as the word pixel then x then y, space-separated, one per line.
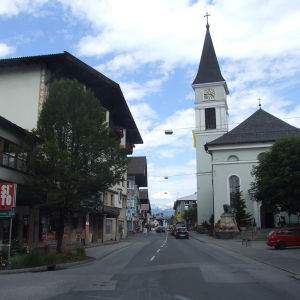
pixel 144 218
pixel 187 218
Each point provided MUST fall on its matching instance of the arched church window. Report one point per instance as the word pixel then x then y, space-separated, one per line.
pixel 210 118
pixel 234 186
pixel 260 155
pixel 232 158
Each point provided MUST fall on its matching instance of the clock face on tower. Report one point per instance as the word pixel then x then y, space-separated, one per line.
pixel 209 94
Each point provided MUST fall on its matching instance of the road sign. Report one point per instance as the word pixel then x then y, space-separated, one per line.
pixel 178 213
pixel 178 217
pixel 13 211
pixel 5 213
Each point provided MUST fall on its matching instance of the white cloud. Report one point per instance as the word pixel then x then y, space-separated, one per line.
pixel 143 115
pixel 5 50
pixel 14 7
pixel 181 122
pixel 169 152
pixel 162 195
pixel 137 91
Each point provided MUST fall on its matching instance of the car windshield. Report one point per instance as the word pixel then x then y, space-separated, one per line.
pixel 182 229
pixel 271 232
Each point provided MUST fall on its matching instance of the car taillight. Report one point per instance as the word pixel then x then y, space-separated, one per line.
pixel 187 231
pixel 272 237
pixel 177 231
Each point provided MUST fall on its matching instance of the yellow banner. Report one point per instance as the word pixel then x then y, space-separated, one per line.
pixel 193 131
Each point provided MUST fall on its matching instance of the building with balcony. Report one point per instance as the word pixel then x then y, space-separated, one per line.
pixel 136 177
pixel 24 83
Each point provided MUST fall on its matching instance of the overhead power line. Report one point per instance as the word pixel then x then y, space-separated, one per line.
pixel 193 128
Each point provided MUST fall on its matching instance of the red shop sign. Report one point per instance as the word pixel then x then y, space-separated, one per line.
pixel 7 196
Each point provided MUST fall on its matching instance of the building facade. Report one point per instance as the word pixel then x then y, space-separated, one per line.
pixel 24 84
pixel 225 159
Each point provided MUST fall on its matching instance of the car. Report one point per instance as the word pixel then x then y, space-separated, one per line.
pixel 160 229
pixel 173 228
pixel 280 238
pixel 181 232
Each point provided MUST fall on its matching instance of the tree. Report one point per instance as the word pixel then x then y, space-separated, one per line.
pixel 277 177
pixel 239 205
pixel 74 159
pixel 191 213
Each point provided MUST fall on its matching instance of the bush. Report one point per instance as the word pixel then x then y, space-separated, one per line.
pixel 17 248
pixel 51 259
pixel 205 225
pixel 32 259
pixel 80 251
pixel 16 262
pixel 3 258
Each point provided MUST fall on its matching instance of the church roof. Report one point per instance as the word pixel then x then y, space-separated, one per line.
pixel 209 70
pixel 258 128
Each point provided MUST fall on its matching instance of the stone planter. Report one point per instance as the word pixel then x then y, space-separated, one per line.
pixel 226 235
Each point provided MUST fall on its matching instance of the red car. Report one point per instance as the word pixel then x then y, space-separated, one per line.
pixel 284 237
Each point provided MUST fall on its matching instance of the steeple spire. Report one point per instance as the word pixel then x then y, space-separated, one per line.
pixel 209 70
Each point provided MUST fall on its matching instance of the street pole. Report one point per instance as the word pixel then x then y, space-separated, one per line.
pixel 9 242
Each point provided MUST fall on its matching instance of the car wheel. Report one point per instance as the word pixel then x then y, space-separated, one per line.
pixel 187 237
pixel 281 245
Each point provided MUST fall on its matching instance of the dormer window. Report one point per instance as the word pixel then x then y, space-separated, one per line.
pixel 210 118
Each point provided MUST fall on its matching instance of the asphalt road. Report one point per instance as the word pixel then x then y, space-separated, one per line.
pixel 158 267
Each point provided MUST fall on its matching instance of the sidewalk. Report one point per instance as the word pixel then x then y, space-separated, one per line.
pixel 287 260
pixel 96 251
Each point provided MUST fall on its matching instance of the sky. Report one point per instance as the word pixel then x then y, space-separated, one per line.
pixel 152 50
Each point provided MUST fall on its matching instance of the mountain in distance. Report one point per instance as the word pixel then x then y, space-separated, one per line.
pixel 167 210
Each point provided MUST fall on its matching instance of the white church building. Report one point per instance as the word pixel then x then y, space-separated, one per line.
pixel 225 158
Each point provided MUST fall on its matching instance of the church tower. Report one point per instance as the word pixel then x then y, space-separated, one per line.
pixel 211 121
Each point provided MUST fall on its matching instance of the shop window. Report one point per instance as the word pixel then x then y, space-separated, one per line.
pixel 108 226
pixel 10 158
pixel 21 163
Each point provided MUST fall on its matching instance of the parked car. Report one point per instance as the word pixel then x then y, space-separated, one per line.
pixel 181 232
pixel 160 229
pixel 280 238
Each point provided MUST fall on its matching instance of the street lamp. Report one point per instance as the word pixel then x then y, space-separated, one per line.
pixel 168 131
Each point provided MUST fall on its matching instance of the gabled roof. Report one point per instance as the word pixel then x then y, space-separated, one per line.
pixel 209 70
pixel 12 126
pixel 190 197
pixel 106 90
pixel 260 127
pixel 138 168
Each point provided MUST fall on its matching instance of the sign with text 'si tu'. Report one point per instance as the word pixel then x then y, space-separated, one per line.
pixel 7 196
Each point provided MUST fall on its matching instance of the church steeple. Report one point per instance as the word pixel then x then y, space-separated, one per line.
pixel 209 70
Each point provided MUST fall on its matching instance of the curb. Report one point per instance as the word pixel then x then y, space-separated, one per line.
pixel 297 277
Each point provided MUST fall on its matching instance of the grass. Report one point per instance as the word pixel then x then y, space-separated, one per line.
pixel 37 259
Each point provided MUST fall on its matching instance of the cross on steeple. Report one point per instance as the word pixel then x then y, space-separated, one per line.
pixel 206 16
pixel 259 101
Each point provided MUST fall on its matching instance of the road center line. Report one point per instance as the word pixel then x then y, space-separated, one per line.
pixel 158 250
pixel 152 258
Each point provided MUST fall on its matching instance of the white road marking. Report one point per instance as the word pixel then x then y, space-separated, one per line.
pixel 158 250
pixel 152 258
